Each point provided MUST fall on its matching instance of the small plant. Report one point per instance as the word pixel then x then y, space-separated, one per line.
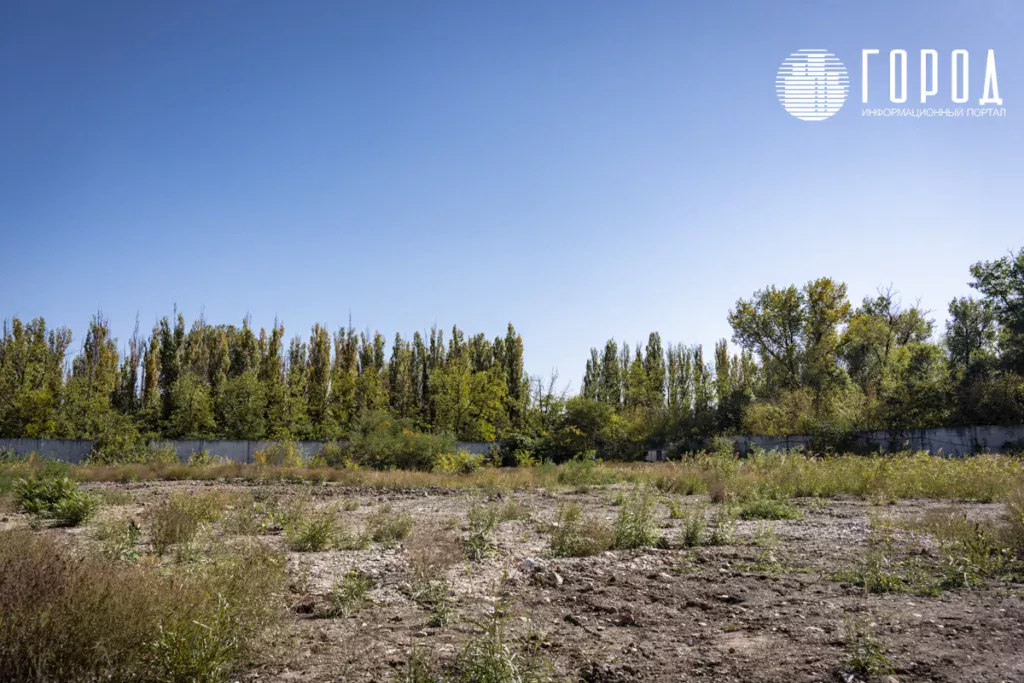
pixel 885 570
pixel 867 655
pixel 58 499
pixel 419 669
pixel 388 527
pixel 575 535
pixel 675 509
pixel 491 657
pixel 479 542
pixel 121 541
pixel 969 559
pixel 691 531
pixel 460 462
pixel 769 508
pixel 435 596
pixel 348 597
pixel 350 505
pixel 634 526
pixel 722 528
pixel 312 533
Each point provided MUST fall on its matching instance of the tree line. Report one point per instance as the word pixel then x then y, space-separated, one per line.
pixel 805 361
pixel 227 381
pixel 808 362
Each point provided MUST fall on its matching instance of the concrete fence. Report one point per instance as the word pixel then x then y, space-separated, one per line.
pixel 944 440
pixel 75 451
pixel 956 441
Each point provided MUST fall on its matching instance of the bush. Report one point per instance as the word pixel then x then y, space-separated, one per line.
pixel 384 442
pixel 691 531
pixel 479 541
pixel 73 617
pixel 335 455
pixel 460 462
pixel 575 535
pixel 204 459
pixel 58 499
pixel 284 454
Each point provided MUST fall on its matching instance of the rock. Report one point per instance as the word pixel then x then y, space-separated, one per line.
pixel 574 620
pixel 624 619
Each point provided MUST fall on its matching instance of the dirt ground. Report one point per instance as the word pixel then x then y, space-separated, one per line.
pixel 765 607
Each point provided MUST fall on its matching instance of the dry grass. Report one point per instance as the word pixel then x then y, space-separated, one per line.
pixel 782 475
pixel 74 617
pixel 432 549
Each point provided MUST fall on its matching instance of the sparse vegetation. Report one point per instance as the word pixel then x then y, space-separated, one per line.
pixel 769 508
pixel 348 595
pixel 577 535
pixel 387 526
pixel 866 655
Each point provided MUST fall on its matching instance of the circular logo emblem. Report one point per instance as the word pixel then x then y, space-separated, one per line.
pixel 812 84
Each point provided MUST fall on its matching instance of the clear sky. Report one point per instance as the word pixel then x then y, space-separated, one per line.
pixel 582 169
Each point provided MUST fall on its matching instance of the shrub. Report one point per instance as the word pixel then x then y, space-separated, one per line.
pixel 524 458
pixel 383 442
pixel 431 551
pixel 575 535
pixel 460 462
pixel 335 455
pixel 283 454
pixel 867 654
pixel 204 459
pixel 634 526
pixel 58 499
pixel 482 522
pixel 69 617
pixel 386 526
pixel 722 528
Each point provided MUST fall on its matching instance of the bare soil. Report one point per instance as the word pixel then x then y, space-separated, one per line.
pixel 747 611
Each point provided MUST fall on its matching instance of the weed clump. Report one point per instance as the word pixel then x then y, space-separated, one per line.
pixel 348 596
pixel 867 655
pixel 312 533
pixel 388 527
pixel 575 535
pixel 634 526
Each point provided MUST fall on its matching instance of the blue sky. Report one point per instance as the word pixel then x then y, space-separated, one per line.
pixel 582 169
